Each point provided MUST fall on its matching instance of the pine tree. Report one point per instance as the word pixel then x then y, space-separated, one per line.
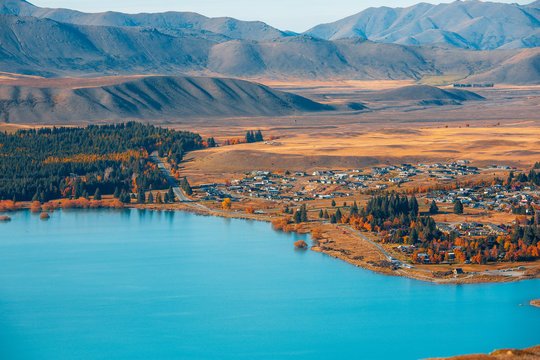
pixel 186 187
pixel 172 197
pixel 326 215
pixel 333 219
pixel 338 215
pixel 97 194
pixel 116 194
pixel 333 203
pixel 124 197
pixel 413 206
pixel 510 177
pixel 211 142
pixel 433 209
pixel 141 198
pixel 321 214
pixel 413 236
pixel 297 216
pixel 258 136
pixel 150 198
pixel 458 207
pixel 354 209
pixel 303 213
pixel 159 200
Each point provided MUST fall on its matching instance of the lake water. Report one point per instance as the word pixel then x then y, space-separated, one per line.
pixel 160 285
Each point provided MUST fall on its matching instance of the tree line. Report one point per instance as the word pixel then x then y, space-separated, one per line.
pixel 60 162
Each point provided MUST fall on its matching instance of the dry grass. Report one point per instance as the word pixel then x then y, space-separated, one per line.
pixel 348 150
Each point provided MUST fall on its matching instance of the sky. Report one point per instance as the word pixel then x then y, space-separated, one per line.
pixel 295 15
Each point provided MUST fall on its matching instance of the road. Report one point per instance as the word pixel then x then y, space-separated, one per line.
pixel 173 183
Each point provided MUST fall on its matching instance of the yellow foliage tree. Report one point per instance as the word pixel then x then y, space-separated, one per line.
pixel 226 204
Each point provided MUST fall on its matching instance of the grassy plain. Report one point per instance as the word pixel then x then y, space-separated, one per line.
pixel 503 129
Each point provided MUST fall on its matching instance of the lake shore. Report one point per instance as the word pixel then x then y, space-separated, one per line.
pixel 344 244
pixel 355 248
pixel 503 354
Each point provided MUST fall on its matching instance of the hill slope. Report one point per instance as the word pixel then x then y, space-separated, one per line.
pixel 151 98
pixel 523 68
pixel 466 24
pixel 183 23
pixel 425 94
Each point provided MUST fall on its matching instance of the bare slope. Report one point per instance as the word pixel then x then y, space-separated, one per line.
pixel 158 97
pixel 465 24
pixel 424 93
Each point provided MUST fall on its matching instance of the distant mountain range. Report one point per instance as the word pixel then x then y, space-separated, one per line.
pixel 163 97
pixel 466 24
pixel 190 44
pixel 174 23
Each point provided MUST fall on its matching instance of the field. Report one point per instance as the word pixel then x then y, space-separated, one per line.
pixel 503 129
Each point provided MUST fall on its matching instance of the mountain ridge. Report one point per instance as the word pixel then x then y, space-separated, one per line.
pixel 469 24
pixel 49 48
pixel 172 22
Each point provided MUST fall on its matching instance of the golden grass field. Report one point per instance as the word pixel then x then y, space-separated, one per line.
pixel 503 129
pixel 515 145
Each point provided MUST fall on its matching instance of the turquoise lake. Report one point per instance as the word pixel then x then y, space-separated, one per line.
pixel 136 284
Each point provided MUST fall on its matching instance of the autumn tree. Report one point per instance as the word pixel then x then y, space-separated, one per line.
pixel 226 204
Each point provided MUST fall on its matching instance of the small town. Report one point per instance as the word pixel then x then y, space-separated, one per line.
pixel 468 204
